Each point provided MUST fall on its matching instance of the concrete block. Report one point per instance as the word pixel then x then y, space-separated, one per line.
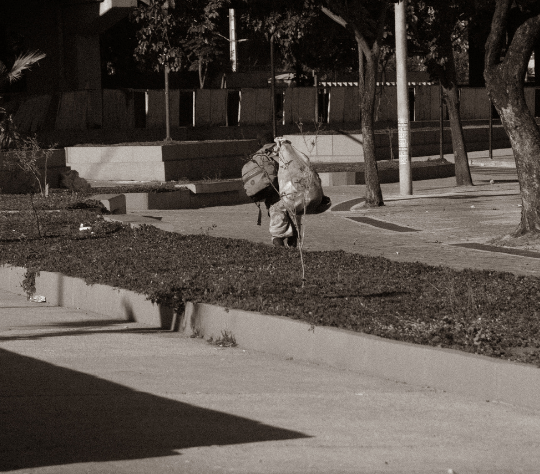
pixel 185 151
pixel 180 170
pixel 227 198
pixel 324 145
pixel 136 201
pixel 122 171
pixel 341 178
pixel 338 158
pixel 147 153
pixel 171 200
pixel 11 279
pixel 173 152
pixel 114 203
pixel 136 307
pixel 116 154
pixel 82 155
pixel 244 147
pixel 347 144
pixel 304 144
pixel 217 187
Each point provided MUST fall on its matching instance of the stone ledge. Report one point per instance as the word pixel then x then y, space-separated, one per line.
pixel 444 369
pixel 188 196
pixel 343 178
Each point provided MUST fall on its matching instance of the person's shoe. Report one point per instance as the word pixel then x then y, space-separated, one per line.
pixel 278 242
pixel 292 241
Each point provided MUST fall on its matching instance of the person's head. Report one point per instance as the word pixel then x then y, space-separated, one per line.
pixel 265 137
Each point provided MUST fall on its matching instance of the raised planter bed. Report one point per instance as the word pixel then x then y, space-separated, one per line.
pixel 161 161
pixel 445 369
pixel 188 196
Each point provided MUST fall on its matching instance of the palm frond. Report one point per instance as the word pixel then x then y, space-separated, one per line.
pixel 23 62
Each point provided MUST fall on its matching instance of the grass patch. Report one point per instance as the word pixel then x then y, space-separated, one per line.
pixel 491 313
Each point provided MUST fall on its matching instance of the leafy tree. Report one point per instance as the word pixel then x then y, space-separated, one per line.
pixel 174 35
pixel 204 43
pixel 365 22
pixel 438 31
pixel 21 63
pixel 9 136
pixel 160 40
pixel 515 27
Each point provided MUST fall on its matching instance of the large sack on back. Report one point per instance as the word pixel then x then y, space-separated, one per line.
pixel 299 184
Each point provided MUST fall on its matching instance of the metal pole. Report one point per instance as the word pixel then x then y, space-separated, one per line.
pixel 405 178
pixel 441 122
pixel 490 130
pixel 316 85
pixel 167 111
pixel 273 85
pixel 166 73
pixel 232 39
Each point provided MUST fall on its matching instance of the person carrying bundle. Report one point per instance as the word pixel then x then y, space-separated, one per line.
pixel 284 179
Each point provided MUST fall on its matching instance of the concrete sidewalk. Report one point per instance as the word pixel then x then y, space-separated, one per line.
pixel 83 394
pixel 440 224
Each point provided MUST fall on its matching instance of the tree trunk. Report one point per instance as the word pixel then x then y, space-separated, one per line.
pixel 367 110
pixel 367 77
pixel 201 82
pixel 463 172
pixel 504 82
pixel 524 136
pixel 448 80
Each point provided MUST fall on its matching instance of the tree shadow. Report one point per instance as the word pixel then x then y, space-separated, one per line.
pixel 78 328
pixel 55 416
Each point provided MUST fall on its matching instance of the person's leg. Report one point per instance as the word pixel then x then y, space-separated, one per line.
pixel 281 226
pixel 296 222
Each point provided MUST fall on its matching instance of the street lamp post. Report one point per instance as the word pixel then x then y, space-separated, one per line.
pixel 405 180
pixel 273 85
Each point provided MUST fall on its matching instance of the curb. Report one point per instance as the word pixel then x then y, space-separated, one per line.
pixel 188 196
pixel 341 178
pixel 443 369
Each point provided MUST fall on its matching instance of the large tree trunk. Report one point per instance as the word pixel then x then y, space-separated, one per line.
pixel 367 77
pixel 463 172
pixel 448 80
pixel 504 82
pixel 367 110
pixel 367 85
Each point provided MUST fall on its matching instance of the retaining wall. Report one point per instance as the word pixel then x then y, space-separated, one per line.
pixel 444 369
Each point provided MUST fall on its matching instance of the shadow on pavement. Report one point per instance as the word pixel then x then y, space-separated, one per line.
pixel 75 328
pixel 51 416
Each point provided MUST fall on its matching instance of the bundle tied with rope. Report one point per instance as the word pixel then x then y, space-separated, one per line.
pixel 281 166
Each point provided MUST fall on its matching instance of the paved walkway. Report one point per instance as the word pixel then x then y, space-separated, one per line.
pixel 439 217
pixel 80 393
pixel 83 394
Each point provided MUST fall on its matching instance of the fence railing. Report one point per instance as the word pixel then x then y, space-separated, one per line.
pixel 128 109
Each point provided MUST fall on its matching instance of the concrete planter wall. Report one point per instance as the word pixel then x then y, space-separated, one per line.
pixel 190 196
pixel 444 369
pixel 115 303
pixel 347 147
pixel 188 160
pixel 15 180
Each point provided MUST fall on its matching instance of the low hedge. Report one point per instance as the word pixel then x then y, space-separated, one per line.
pixel 490 313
